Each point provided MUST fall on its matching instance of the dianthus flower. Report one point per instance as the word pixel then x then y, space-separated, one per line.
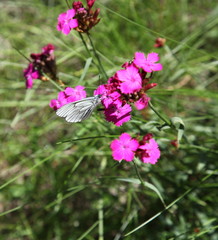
pixel 142 102
pixel 147 63
pixel 67 96
pixel 30 73
pixel 148 150
pixel 80 18
pixel 127 86
pixel 75 94
pixel 41 63
pixel 66 21
pixel 130 80
pixel 118 113
pixel 124 147
pixel 59 102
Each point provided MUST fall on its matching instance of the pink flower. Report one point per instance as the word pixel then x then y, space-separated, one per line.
pixel 41 63
pixel 110 98
pixel 147 64
pixel 130 78
pixel 30 73
pixel 108 94
pixel 75 94
pixel 67 96
pixel 149 151
pixel 57 103
pixel 128 86
pixel 29 82
pixel 124 147
pixel 117 113
pixel 66 21
pixel 48 49
pixel 101 90
pixel 86 17
pixel 142 102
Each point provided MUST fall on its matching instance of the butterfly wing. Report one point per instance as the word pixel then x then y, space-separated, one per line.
pixel 79 110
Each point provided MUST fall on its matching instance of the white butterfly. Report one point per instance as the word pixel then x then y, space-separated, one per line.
pixel 79 110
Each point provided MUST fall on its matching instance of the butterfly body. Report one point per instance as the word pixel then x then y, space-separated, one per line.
pixel 79 110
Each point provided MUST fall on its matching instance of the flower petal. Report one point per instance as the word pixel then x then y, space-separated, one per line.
pixel 153 57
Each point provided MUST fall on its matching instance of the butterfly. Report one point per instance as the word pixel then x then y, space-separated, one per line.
pixel 79 110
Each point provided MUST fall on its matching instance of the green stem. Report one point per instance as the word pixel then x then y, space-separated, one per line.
pixel 21 54
pixel 67 4
pixel 172 203
pixel 89 52
pixel 87 138
pixel 53 82
pixel 97 57
pixel 138 174
pixel 159 115
pixel 84 43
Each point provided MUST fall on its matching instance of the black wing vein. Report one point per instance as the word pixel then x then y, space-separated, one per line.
pixel 79 110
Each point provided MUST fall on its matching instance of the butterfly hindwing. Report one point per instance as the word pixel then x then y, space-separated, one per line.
pixel 79 110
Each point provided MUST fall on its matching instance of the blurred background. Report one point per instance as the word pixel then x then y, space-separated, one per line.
pixel 74 190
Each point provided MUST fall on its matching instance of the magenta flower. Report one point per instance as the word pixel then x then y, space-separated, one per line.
pixel 29 82
pixel 127 86
pixel 30 73
pixel 66 21
pixel 130 78
pixel 110 98
pixel 67 96
pixel 108 92
pixel 101 90
pixel 57 103
pixel 87 18
pixel 124 147
pixel 75 94
pixel 41 63
pixel 117 113
pixel 149 151
pixel 142 102
pixel 48 49
pixel 147 63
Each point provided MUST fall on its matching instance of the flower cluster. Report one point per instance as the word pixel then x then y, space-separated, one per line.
pixel 79 18
pixel 128 85
pixel 67 96
pixel 41 63
pixel 126 148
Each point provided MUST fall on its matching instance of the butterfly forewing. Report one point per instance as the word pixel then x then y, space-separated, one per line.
pixel 79 110
pixel 65 110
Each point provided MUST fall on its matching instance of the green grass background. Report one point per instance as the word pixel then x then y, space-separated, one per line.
pixel 73 190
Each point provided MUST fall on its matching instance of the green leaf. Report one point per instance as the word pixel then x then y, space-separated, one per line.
pixel 179 125
pixel 147 184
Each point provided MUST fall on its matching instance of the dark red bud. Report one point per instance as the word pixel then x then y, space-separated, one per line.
pixel 77 5
pixel 96 13
pixel 150 85
pixel 147 137
pixel 90 3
